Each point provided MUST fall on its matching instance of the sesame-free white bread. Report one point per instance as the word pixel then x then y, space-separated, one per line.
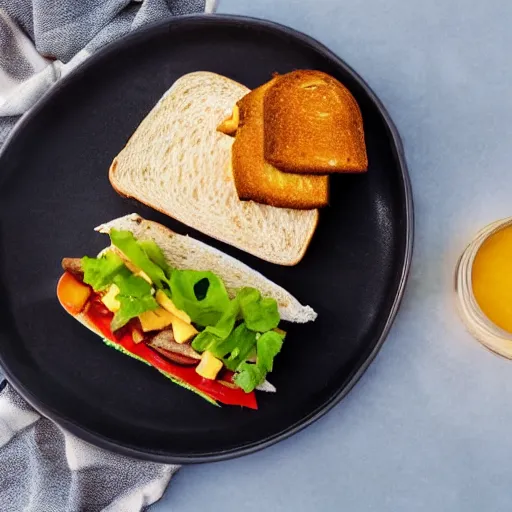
pixel 178 163
pixel 184 252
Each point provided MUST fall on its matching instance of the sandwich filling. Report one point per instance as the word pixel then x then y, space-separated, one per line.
pixel 182 322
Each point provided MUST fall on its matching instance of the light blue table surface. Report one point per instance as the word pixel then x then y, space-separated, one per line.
pixel 429 426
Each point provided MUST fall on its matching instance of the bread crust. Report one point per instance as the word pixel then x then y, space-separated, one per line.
pixel 313 124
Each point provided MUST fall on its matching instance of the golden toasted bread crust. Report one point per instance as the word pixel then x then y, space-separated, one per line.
pixel 313 125
pixel 258 180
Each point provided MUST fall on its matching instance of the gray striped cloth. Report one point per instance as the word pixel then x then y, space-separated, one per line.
pixel 45 468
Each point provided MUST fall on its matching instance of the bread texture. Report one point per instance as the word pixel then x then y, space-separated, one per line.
pixel 178 163
pixel 258 180
pixel 184 252
pixel 313 125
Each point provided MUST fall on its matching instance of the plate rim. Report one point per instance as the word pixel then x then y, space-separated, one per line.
pixel 397 147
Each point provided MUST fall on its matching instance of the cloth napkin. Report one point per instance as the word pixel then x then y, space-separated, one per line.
pixel 45 468
pixel 43 40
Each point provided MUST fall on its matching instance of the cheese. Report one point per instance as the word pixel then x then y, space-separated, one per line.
pixel 109 299
pixel 137 336
pixel 168 304
pixel 182 330
pixel 181 325
pixel 209 366
pixel 155 320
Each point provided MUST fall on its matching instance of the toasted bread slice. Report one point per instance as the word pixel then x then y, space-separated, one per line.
pixel 259 180
pixel 313 125
pixel 178 163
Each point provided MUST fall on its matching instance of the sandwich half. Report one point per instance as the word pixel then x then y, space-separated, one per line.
pixel 202 318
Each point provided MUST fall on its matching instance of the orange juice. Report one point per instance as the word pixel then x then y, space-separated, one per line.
pixel 483 287
pixel 492 278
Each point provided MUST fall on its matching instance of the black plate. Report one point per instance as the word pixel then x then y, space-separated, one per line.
pixel 55 189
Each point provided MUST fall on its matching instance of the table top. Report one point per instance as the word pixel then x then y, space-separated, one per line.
pixel 427 427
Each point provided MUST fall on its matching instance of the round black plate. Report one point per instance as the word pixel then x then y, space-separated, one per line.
pixel 55 189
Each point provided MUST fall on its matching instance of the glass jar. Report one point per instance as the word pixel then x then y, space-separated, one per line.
pixel 477 323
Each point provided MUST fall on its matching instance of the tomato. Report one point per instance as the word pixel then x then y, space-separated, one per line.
pixel 72 294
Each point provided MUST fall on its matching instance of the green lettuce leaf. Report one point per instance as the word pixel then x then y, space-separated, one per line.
pixel 204 311
pixel 128 245
pixel 250 375
pixel 267 347
pixel 100 272
pixel 236 346
pixel 222 347
pixel 134 296
pixel 212 335
pixel 234 349
pixel 239 345
pixel 223 328
pixel 260 314
pixel 203 341
pixel 156 255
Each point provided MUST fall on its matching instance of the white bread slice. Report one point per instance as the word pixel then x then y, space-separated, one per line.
pixel 184 252
pixel 178 163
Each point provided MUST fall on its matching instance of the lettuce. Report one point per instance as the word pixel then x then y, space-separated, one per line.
pixel 204 340
pixel 267 347
pixel 156 255
pixel 244 341
pixel 128 245
pixel 134 296
pixel 251 375
pixel 259 314
pixel 214 334
pixel 134 292
pixel 204 311
pixel 235 348
pixel 100 272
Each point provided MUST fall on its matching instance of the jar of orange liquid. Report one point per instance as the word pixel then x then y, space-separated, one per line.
pixel 484 287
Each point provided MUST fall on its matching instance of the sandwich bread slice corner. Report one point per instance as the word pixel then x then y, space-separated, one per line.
pixel 178 163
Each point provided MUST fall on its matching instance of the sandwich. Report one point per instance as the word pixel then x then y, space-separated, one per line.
pixel 202 318
pixel 177 162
